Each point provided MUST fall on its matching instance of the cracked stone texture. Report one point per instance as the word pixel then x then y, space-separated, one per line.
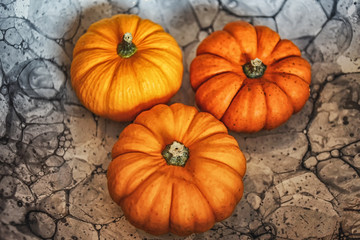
pixel 302 179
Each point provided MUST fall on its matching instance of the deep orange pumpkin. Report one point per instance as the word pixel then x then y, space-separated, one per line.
pixel 125 64
pixel 177 170
pixel 249 78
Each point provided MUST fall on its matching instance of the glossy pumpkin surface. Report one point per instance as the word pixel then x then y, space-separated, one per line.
pixel 249 78
pixel 116 79
pixel 160 196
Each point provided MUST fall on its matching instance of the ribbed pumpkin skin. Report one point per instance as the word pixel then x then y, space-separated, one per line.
pixel 161 198
pixel 119 88
pixel 249 104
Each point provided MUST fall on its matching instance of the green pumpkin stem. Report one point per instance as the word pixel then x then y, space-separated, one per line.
pixel 254 69
pixel 176 154
pixel 126 48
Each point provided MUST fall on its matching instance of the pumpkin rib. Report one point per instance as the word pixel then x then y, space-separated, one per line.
pixel 86 73
pixel 202 194
pixel 215 55
pixel 134 135
pixel 228 188
pixel 290 74
pixel 160 55
pixel 89 42
pixel 299 62
pixel 143 220
pixel 279 60
pixel 266 78
pixel 238 102
pixel 265 39
pixel 196 224
pixel 136 27
pixel 112 82
pixel 215 75
pixel 148 32
pixel 175 52
pixel 203 137
pixel 272 117
pixel 241 87
pixel 139 185
pixel 278 45
pixel 240 46
pixel 202 76
pixel 141 101
pixel 197 137
pixel 156 49
pixel 207 201
pixel 92 49
pixel 121 28
pixel 216 49
pixel 100 34
pixel 301 81
pixel 105 23
pixel 211 161
pixel 171 204
pixel 222 164
pixel 149 35
pixel 232 100
pixel 266 103
pixel 231 147
pixel 228 28
pixel 138 101
pixel 131 152
pixel 238 73
pixel 161 70
pixel 85 85
pixel 224 87
pixel 288 98
pixel 147 128
pixel 117 93
pixel 152 120
pixel 199 183
pixel 191 111
pixel 113 172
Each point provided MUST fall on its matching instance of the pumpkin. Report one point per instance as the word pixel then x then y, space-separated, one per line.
pixel 249 78
pixel 125 64
pixel 177 170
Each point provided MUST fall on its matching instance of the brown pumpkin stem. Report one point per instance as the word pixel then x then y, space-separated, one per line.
pixel 254 69
pixel 176 154
pixel 126 48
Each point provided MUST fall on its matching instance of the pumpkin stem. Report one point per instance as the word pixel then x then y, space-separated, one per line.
pixel 176 154
pixel 126 48
pixel 254 69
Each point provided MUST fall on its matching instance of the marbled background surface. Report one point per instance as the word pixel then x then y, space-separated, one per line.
pixel 303 179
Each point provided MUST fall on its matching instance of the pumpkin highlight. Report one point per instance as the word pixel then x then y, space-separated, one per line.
pixel 202 183
pixel 249 78
pixel 123 65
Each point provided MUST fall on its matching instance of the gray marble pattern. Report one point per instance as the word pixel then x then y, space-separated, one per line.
pixel 302 179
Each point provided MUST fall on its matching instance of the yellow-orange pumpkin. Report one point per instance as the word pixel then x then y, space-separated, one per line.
pixel 125 64
pixel 177 170
pixel 249 78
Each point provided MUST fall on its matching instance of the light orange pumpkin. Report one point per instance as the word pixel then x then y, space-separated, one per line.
pixel 125 64
pixel 177 170
pixel 249 78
